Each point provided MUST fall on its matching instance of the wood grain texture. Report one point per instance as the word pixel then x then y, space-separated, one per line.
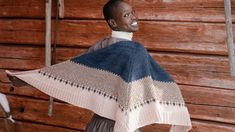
pixel 198 126
pixel 26 91
pixel 64 115
pixel 182 10
pixel 204 38
pixel 20 126
pixel 178 3
pixel 30 127
pixel 208 96
pixel 6 125
pixel 212 113
pixel 205 126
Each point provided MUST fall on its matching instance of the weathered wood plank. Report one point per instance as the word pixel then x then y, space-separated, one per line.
pixel 156 10
pixel 26 91
pixel 188 61
pixel 181 14
pixel 21 126
pixel 157 127
pixel 212 113
pixel 205 38
pixel 3 78
pixel 149 3
pixel 197 70
pixel 36 52
pixel 26 52
pixel 21 63
pixel 205 126
pixel 178 3
pixel 6 125
pixel 202 78
pixel 183 37
pixel 32 30
pixel 198 126
pixel 28 57
pixel 64 115
pixel 208 96
pixel 30 127
pixel 202 62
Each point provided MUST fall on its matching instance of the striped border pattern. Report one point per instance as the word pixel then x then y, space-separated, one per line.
pixel 129 95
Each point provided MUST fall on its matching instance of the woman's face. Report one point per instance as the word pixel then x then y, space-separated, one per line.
pixel 124 18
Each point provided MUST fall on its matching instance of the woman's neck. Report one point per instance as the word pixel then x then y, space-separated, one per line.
pixel 122 35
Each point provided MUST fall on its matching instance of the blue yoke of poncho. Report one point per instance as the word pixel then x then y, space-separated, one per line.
pixel 127 59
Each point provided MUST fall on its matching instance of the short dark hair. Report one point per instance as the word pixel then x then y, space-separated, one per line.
pixel 108 7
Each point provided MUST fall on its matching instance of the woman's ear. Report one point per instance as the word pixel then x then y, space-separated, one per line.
pixel 112 23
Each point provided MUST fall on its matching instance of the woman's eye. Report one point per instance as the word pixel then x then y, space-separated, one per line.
pixel 127 14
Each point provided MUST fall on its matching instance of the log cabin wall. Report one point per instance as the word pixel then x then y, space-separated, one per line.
pixel 187 37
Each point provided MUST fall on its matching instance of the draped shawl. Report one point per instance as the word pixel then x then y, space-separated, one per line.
pixel 121 82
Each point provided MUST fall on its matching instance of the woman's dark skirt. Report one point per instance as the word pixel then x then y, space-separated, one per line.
pixel 101 124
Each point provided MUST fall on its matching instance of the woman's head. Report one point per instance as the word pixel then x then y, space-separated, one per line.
pixel 120 16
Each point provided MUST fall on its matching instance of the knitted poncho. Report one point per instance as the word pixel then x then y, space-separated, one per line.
pixel 121 82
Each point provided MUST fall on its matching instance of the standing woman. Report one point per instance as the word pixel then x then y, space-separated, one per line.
pixel 117 79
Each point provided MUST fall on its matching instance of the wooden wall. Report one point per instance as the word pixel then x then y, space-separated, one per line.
pixel 187 37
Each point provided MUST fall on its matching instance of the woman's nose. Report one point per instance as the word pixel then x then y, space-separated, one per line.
pixel 134 16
